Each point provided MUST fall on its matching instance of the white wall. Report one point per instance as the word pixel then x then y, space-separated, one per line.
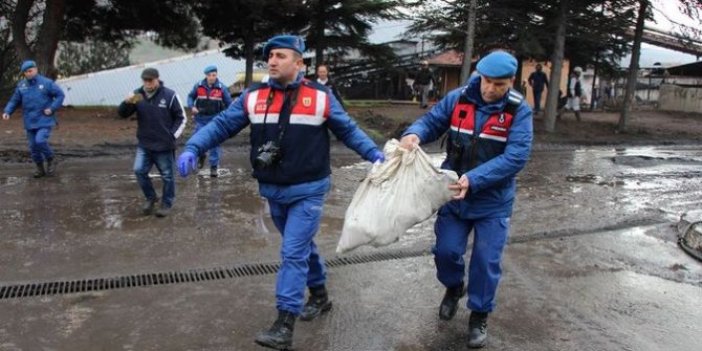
pixel 677 98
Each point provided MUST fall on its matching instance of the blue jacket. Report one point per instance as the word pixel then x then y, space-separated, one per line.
pixel 209 100
pixel 497 159
pixel 160 119
pixel 35 95
pixel 305 141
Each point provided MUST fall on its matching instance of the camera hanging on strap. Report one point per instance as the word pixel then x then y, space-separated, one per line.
pixel 270 153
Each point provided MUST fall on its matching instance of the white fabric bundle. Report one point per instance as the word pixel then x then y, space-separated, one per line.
pixel 404 190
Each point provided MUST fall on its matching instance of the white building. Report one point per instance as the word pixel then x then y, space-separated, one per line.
pixel 110 87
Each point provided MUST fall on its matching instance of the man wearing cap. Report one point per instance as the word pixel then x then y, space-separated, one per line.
pixel 208 98
pixel 575 91
pixel 160 121
pixel 490 132
pixel 422 82
pixel 290 117
pixel 40 98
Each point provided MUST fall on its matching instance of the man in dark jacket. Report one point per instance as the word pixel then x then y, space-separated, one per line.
pixel 161 121
pixel 290 119
pixel 538 80
pixel 423 80
pixel 40 98
pixel 208 98
pixel 490 133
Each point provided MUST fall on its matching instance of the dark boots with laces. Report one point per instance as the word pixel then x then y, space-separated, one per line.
pixel 477 330
pixel 317 304
pixel 280 335
pixel 449 304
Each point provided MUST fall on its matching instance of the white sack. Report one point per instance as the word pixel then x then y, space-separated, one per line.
pixel 404 190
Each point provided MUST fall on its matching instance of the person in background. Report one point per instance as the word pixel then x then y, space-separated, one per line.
pixel 40 98
pixel 290 117
pixel 538 81
pixel 423 82
pixel 575 91
pixel 160 121
pixel 323 78
pixel 208 98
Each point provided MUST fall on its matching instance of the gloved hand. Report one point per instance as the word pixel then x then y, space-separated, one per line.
pixel 377 156
pixel 187 161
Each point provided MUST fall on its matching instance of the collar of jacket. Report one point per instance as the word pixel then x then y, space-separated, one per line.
pixel 203 83
pixel 472 93
pixel 293 85
pixel 33 80
pixel 158 90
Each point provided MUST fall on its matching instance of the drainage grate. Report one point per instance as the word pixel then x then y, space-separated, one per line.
pixel 152 279
pixel 257 269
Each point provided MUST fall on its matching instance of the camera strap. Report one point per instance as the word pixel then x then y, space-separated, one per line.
pixel 285 110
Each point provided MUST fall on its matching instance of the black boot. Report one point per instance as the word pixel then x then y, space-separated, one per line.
pixel 40 170
pixel 280 335
pixel 477 329
pixel 148 207
pixel 577 115
pixel 201 161
pixel 50 166
pixel 317 304
pixel 213 172
pixel 449 304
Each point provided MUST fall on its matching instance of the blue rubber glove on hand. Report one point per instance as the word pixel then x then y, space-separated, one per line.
pixel 186 161
pixel 378 156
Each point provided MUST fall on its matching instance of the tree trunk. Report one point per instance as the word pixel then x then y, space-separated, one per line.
pixel 19 25
pixel 594 79
pixel 320 41
pixel 468 43
pixel 249 55
pixel 49 33
pixel 554 82
pixel 44 51
pixel 633 66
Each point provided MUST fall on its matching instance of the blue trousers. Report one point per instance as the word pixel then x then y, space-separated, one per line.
pixel 213 152
pixel 296 211
pixel 39 144
pixel 485 268
pixel 537 100
pixel 164 161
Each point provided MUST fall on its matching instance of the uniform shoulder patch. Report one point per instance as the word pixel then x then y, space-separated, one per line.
pixel 514 97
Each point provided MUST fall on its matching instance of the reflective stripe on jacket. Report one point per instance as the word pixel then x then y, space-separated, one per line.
pixel 500 154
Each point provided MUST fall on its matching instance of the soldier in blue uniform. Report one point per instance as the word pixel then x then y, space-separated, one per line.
pixel 490 134
pixel 290 117
pixel 40 98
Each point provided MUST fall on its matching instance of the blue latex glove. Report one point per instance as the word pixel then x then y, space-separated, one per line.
pixel 186 161
pixel 378 156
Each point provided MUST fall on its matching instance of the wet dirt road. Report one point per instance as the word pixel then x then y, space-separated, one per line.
pixel 592 263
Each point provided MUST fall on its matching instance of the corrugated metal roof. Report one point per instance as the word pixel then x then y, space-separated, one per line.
pixel 110 87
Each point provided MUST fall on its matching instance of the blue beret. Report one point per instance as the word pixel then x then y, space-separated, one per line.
pixel 27 65
pixel 292 42
pixel 498 64
pixel 210 68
